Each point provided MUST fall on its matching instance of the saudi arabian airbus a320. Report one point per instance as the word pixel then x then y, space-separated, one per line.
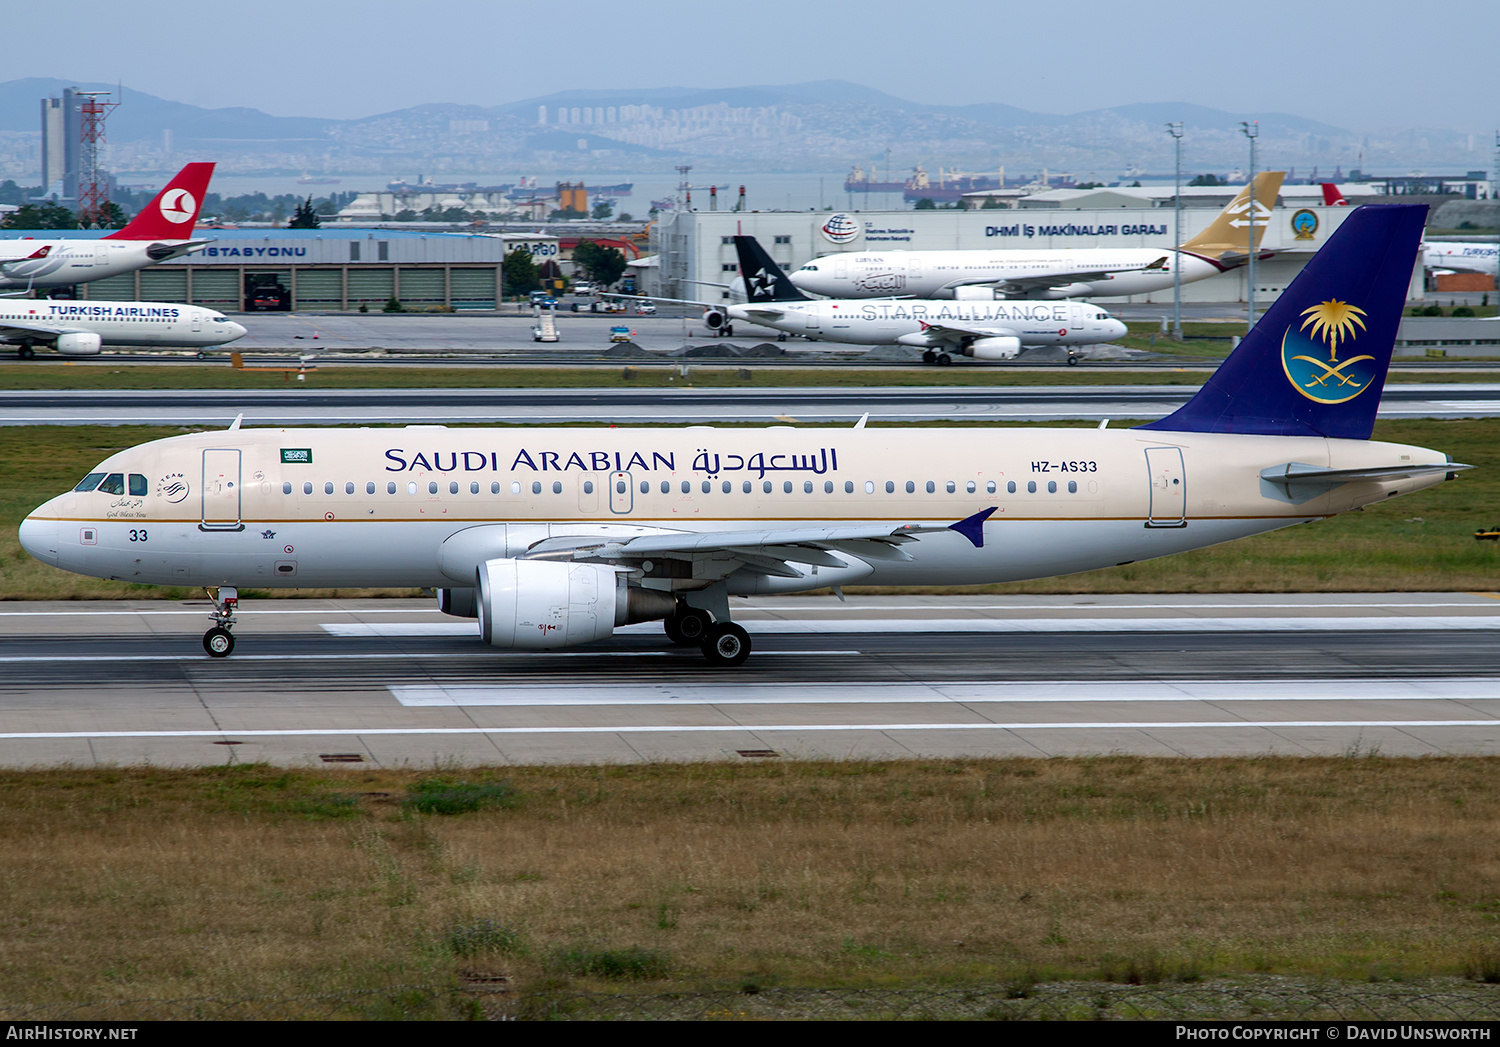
pixel 553 537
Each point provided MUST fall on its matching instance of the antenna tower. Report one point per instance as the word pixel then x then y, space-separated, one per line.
pixel 93 184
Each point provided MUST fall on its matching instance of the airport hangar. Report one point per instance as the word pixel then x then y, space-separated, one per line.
pixel 691 250
pixel 322 269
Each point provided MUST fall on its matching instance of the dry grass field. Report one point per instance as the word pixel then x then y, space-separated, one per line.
pixel 160 884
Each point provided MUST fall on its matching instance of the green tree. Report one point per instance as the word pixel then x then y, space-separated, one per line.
pixel 406 214
pixel 566 215
pixel 305 217
pixel 603 209
pixel 925 204
pixel 603 265
pixel 112 216
pixel 1207 179
pixel 519 272
pixel 40 216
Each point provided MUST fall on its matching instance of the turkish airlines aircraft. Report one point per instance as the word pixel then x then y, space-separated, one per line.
pixel 1048 274
pixel 81 328
pixel 162 231
pixel 552 538
pixel 1447 256
pixel 992 330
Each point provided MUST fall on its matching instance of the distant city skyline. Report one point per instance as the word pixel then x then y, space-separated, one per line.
pixel 1351 65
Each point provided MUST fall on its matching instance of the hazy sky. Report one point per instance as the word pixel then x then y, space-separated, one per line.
pixel 1362 66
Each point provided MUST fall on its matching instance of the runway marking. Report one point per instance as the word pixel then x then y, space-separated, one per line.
pixel 783 626
pixel 1142 725
pixel 251 612
pixel 690 693
pixel 515 656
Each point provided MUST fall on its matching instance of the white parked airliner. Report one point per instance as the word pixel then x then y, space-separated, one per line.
pixel 990 330
pixel 1049 274
pixel 553 537
pixel 82 328
pixel 162 231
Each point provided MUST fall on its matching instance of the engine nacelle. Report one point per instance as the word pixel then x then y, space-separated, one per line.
pixel 79 344
pixel 460 603
pixel 998 347
pixel 714 319
pixel 547 604
pixel 976 293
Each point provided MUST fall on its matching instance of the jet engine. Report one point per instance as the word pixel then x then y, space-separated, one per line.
pixel 79 344
pixel 713 319
pixel 546 604
pixel 975 293
pixel 999 347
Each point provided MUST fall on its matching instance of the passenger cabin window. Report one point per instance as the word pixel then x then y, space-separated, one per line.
pixel 390 487
pixel 369 487
pixel 1010 488
pixel 307 487
pixel 452 486
pixel 474 487
pixel 349 487
pixel 536 487
pixel 286 487
pixel 557 487
pixel 328 487
pixel 432 487
pixel 990 487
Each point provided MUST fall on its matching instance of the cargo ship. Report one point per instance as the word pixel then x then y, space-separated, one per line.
pixel 859 181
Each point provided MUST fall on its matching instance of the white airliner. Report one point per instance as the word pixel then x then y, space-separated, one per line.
pixel 1049 274
pixel 992 330
pixel 82 328
pixel 162 231
pixel 1446 256
pixel 554 537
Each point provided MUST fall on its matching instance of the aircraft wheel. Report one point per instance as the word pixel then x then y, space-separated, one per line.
pixel 726 644
pixel 1072 360
pixel 218 642
pixel 929 357
pixel 26 352
pixel 728 330
pixel 687 627
pixel 944 360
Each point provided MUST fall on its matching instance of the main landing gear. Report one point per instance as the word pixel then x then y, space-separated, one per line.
pixel 941 359
pixel 722 642
pixel 219 641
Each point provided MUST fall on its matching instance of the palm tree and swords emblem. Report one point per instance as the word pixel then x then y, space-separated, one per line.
pixel 1329 381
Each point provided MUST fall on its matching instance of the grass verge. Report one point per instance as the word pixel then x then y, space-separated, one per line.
pixel 160 884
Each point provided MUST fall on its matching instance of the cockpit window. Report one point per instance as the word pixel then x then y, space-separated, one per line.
pixel 89 482
pixel 137 485
pixel 114 483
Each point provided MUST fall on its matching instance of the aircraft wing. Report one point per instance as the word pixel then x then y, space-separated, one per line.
pixel 669 301
pixel 10 330
pixel 952 332
pixel 1046 281
pixel 772 552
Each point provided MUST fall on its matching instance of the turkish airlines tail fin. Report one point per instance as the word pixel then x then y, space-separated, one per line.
pixel 171 213
pixel 764 280
pixel 1331 195
pixel 1316 362
pixel 1226 242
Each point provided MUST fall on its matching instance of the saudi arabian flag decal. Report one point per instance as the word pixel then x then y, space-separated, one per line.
pixel 1310 354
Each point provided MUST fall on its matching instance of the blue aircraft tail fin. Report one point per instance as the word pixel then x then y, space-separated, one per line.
pixel 1315 363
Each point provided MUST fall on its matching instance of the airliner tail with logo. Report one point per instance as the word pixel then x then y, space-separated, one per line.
pixel 554 537
pixel 162 231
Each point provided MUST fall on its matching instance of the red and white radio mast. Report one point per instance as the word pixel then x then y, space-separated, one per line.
pixel 93 185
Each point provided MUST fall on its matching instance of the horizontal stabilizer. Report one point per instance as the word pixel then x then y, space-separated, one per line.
pixel 1297 475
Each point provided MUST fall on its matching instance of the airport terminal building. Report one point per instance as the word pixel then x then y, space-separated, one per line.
pixel 694 250
pixel 321 269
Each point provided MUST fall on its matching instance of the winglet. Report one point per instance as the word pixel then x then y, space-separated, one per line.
pixel 972 527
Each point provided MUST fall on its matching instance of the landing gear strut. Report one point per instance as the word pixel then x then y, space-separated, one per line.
pixel 219 641
pixel 687 625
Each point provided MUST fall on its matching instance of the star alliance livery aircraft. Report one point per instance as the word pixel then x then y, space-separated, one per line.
pixel 554 537
pixel 162 231
pixel 1061 272
pixel 992 330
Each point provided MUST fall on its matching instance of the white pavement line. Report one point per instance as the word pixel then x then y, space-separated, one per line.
pixel 689 693
pixel 776 626
pixel 795 728
pixel 514 656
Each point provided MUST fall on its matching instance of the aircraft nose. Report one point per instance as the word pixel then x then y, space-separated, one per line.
pixel 39 538
pixel 237 330
pixel 1116 328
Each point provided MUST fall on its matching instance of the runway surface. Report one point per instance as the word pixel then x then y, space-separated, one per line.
pixel 311 406
pixel 394 683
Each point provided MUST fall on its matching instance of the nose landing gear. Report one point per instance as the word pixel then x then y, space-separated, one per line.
pixel 219 641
